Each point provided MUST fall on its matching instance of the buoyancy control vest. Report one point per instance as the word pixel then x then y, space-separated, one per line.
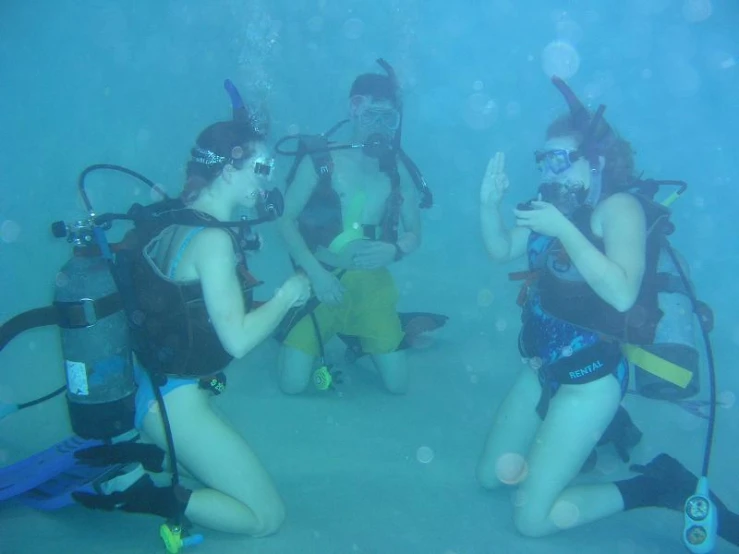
pixel 658 333
pixel 170 328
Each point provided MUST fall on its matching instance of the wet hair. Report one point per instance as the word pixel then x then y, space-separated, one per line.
pixel 222 143
pixel 619 156
pixel 377 87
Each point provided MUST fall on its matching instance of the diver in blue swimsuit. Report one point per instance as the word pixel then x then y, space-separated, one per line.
pixel 585 240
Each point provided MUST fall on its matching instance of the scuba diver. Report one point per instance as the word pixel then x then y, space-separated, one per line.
pixel 351 210
pixel 604 289
pixel 177 292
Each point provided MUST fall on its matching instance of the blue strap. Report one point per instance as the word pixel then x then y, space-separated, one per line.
pixel 178 256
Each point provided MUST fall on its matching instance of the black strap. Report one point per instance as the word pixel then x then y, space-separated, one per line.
pixel 584 366
pixel 68 315
pixel 427 198
pixel 298 314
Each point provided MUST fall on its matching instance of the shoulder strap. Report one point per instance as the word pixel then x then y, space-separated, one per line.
pixel 391 220
pixel 316 147
pixel 427 197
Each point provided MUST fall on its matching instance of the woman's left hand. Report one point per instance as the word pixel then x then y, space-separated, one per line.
pixel 544 218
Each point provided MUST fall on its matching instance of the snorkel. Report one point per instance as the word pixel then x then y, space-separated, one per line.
pixel 597 136
pixel 272 203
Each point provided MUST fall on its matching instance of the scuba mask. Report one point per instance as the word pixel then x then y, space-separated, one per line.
pixel 556 161
pixel 375 117
pixel 262 166
pixel 569 195
pixel 377 125
pixel 380 124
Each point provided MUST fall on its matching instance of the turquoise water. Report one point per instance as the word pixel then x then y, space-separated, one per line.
pixel 133 84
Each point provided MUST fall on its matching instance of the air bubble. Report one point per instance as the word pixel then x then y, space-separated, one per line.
pixel 353 28
pixel 315 24
pixel 695 11
pixel 682 79
pixel 10 231
pixel 565 514
pixel 511 468
pixel 513 110
pixel 425 455
pixel 485 298
pixel 480 111
pixel 727 399
pixel 560 58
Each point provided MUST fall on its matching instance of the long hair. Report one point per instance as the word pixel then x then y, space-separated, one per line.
pixel 222 143
pixel 618 154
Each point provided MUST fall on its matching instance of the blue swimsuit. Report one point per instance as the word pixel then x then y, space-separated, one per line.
pixel 569 354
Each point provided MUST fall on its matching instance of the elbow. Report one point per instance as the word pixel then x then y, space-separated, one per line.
pixel 626 294
pixel 235 352
pixel 236 349
pixel 624 302
pixel 499 255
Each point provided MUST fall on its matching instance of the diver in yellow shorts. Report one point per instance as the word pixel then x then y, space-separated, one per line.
pixel 349 215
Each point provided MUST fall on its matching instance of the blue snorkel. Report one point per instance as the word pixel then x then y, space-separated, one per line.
pixel 237 103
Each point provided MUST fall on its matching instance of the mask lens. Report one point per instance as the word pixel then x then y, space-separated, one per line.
pixel 391 119
pixel 371 117
pixel 555 161
pixel 263 167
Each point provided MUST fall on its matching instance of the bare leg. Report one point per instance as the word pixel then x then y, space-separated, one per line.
pixel 577 417
pixel 295 368
pixel 240 496
pixel 393 370
pixel 511 434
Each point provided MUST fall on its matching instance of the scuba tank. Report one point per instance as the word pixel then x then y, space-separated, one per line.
pixel 100 387
pixel 675 339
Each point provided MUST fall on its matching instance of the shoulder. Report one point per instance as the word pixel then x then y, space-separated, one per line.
pixel 213 242
pixel 620 206
pixel 619 217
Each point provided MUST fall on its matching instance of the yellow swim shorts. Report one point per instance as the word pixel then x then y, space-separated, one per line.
pixel 368 311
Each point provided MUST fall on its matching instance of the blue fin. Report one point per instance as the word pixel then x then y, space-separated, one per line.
pixel 57 492
pixel 28 474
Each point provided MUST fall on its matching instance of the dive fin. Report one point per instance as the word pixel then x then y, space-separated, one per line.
pixel 56 493
pixel 414 325
pixel 417 323
pixel 28 474
pixel 47 480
